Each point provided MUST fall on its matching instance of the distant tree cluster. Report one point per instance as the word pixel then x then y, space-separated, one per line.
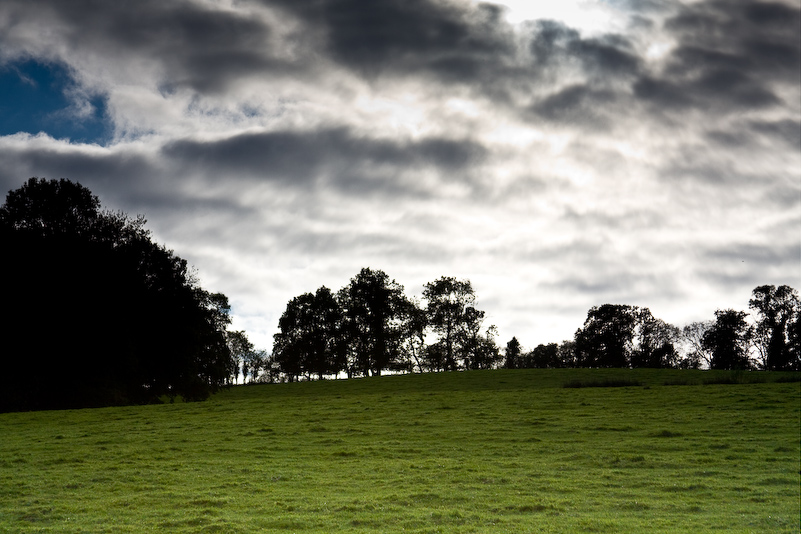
pixel 616 335
pixel 97 313
pixel 370 326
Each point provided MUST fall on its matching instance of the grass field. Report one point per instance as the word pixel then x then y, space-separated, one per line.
pixel 497 451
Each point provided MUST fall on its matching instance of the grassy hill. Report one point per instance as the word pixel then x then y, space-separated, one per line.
pixel 490 451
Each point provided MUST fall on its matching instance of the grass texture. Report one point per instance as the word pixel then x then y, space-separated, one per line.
pixel 472 452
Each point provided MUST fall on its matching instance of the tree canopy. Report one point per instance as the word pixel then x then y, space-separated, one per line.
pixel 101 314
pixel 778 313
pixel 728 339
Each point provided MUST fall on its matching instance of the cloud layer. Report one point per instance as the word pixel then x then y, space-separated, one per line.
pixel 281 145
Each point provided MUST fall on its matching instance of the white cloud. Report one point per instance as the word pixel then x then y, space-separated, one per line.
pixel 557 166
pixel 590 17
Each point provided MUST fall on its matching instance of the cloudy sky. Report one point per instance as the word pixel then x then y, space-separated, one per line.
pixel 559 155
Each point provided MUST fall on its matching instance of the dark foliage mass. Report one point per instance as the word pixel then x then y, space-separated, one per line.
pixel 370 326
pixel 99 314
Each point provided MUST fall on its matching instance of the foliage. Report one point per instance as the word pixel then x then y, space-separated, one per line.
pixel 413 325
pixel 607 336
pixel 247 360
pixel 543 357
pixel 613 335
pixel 372 327
pixel 693 335
pixel 373 306
pixel 102 315
pixel 656 340
pixel 728 340
pixel 447 299
pixel 513 354
pixel 310 337
pixel 778 310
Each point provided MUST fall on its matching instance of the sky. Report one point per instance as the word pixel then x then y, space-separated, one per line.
pixel 559 155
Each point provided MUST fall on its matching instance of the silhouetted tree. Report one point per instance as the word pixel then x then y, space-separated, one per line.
pixel 448 299
pixel 373 307
pixel 246 359
pixel 566 353
pixel 693 335
pixel 513 354
pixel 544 357
pixel 436 356
pixel 105 314
pixel 776 309
pixel 728 340
pixel 479 351
pixel 310 337
pixel 413 324
pixel 689 361
pixel 607 335
pixel 270 369
pixel 654 342
pixel 256 362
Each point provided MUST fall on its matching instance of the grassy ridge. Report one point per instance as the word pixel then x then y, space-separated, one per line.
pixel 499 451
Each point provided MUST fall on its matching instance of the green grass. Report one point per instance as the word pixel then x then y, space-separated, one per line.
pixel 498 451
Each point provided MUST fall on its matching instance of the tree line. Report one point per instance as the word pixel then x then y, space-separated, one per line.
pixel 369 327
pixel 615 335
pixel 102 315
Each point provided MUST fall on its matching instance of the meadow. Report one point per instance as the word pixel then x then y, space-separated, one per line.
pixel 479 451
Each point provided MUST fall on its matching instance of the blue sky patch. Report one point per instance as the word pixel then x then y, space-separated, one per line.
pixel 36 97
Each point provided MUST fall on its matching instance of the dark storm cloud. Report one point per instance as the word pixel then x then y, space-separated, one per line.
pixel 125 179
pixel 786 131
pixel 403 36
pixel 576 103
pixel 55 162
pixel 197 47
pixel 755 133
pixel 722 88
pixel 553 44
pixel 300 158
pixel 730 56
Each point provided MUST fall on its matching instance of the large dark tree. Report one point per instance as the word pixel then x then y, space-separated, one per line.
pixel 777 308
pixel 374 307
pixel 654 342
pixel 728 340
pixel 513 355
pixel 309 341
pixel 99 313
pixel 607 336
pixel 448 301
